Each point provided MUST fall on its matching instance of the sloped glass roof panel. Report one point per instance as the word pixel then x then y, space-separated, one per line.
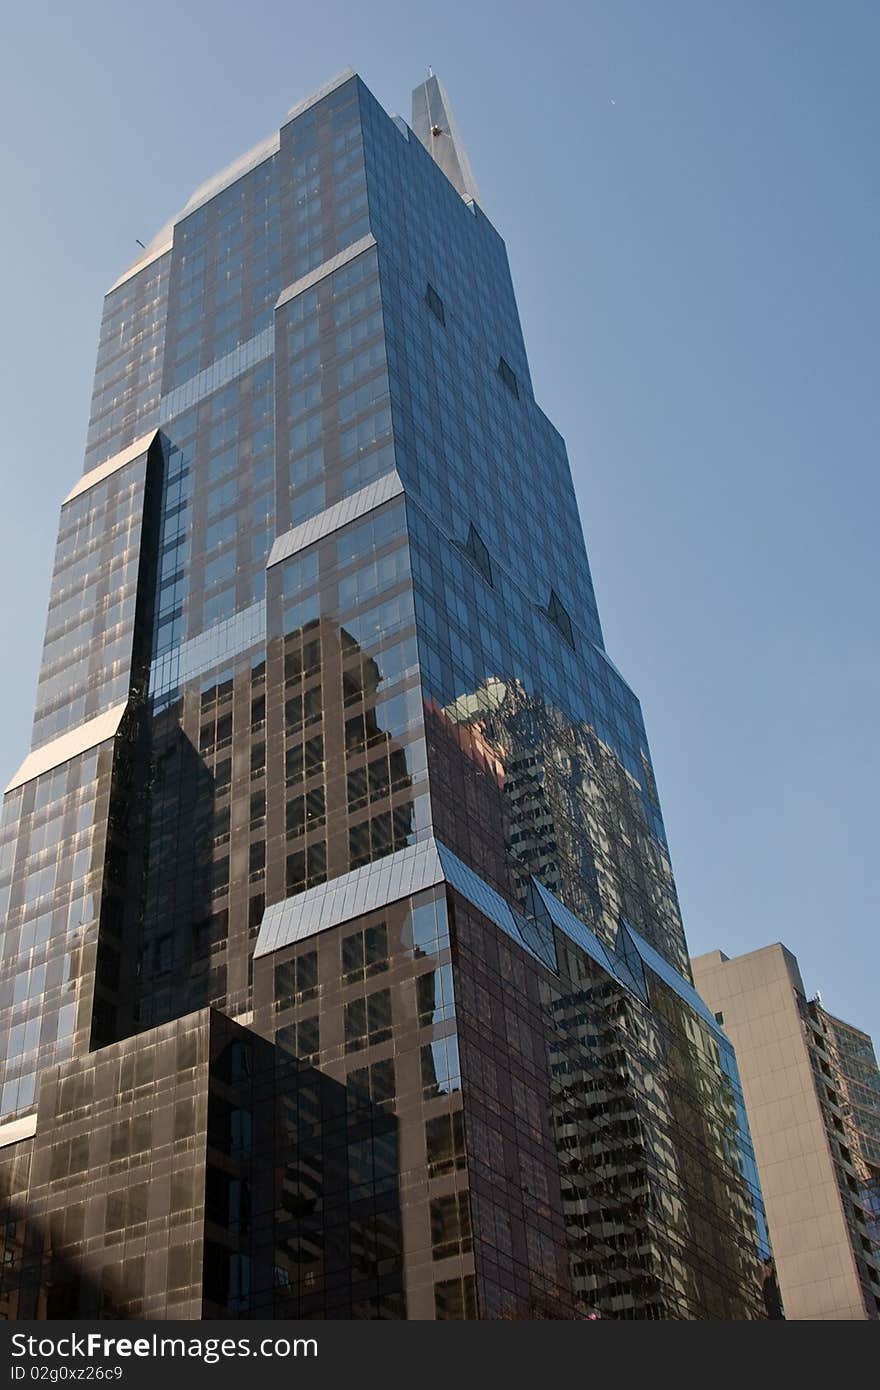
pixel 677 983
pixel 350 895
pixel 630 967
pixel 487 901
pixel 575 929
pixel 537 936
pixel 335 517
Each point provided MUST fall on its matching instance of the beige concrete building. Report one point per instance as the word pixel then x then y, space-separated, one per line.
pixel 821 1189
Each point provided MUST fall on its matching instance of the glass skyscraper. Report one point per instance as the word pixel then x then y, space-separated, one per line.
pixel 343 974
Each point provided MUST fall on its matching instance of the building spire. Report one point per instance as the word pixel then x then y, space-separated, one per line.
pixel 433 121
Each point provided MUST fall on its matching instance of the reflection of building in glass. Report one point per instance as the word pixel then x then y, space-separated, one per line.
pixel 812 1089
pixel 343 972
pixel 193 1171
pixel 573 815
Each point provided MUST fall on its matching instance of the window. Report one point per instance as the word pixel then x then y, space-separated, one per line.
pixel 220 568
pixel 314 808
pixel 373 1163
pixel 373 1085
pixel 435 304
pixel 359 844
pixel 210 932
pixel 430 931
pixel 364 540
pixel 450 1225
pixel 365 953
pixel 296 872
pixel 558 615
pixel 372 577
pixel 296 980
pixel 357 789
pixel 444 1143
pixel 368 1020
pixel 368 432
pixel 312 705
pixel 301 661
pixel 220 532
pixel 223 463
pixel 301 1039
pixel 305 399
pixel 293 714
pixel 434 996
pixel 293 765
pixel 361 365
pixel 355 737
pixel 373 466
pixel 219 607
pixel 362 398
pixel 305 470
pixel 221 497
pixel 440 1068
pixel 220 876
pixel 508 376
pixel 257 861
pixel 456 1298
pixel 313 752
pixel 295 817
pixel 475 549
pixel 308 503
pixel 221 825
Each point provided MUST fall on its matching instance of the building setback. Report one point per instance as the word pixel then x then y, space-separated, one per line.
pixel 812 1091
pixel 343 971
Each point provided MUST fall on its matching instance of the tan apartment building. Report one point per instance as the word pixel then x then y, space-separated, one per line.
pixel 812 1092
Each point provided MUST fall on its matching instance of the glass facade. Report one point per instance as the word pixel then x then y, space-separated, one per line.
pixel 331 775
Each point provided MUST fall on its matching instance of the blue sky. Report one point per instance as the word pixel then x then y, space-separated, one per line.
pixel 689 197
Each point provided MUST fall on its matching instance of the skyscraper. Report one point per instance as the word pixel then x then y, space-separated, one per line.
pixel 343 973
pixel 812 1090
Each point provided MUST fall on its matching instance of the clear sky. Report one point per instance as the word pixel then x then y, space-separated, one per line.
pixel 689 194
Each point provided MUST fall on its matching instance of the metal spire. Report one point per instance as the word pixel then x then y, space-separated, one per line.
pixel 434 122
